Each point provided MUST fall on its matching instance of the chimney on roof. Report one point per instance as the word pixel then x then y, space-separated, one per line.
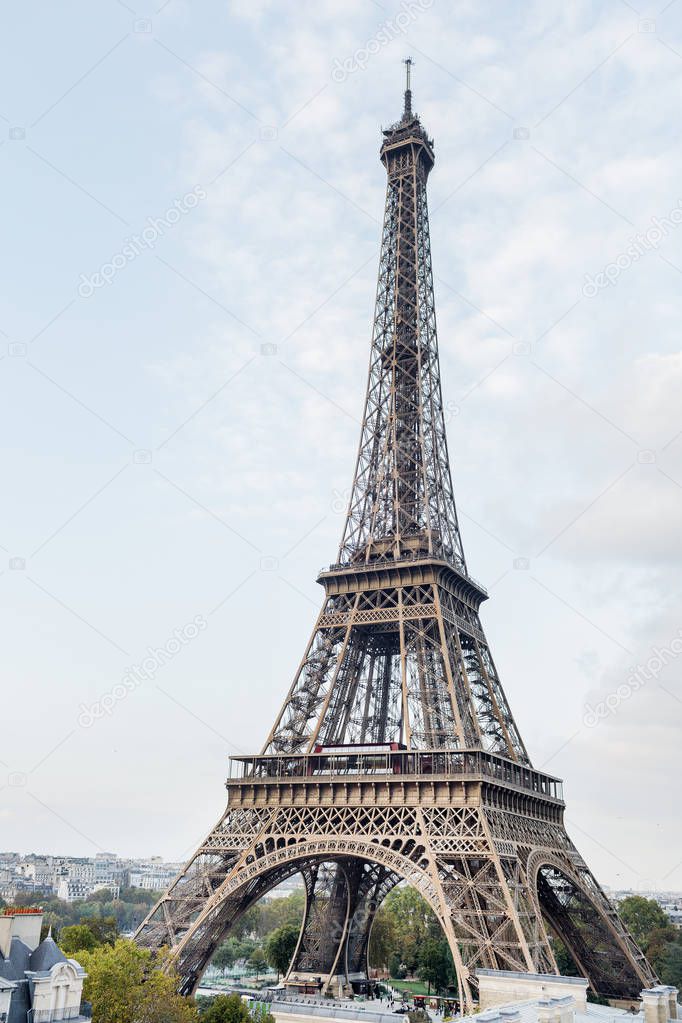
pixel 545 1011
pixel 510 1014
pixel 659 1003
pixel 672 1002
pixel 24 924
pixel 556 1010
pixel 490 1016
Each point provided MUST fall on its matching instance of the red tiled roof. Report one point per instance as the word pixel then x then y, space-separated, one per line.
pixel 20 911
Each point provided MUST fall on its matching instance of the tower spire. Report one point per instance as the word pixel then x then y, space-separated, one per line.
pixel 407 111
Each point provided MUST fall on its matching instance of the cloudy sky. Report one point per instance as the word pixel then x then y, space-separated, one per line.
pixel 178 435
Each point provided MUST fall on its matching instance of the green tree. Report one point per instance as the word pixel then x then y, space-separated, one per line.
pixel 671 965
pixel 126 983
pixel 414 922
pixel 657 945
pixel 641 916
pixel 245 947
pixel 395 967
pixel 242 947
pixel 105 929
pixel 76 938
pixel 271 913
pixel 383 939
pixel 161 1003
pixel 224 957
pixel 435 963
pixel 231 951
pixel 257 961
pixel 225 1009
pixel 249 923
pixel 280 947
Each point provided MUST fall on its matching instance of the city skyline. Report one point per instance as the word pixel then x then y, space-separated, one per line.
pixel 153 859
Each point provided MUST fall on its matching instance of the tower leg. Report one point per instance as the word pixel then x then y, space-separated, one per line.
pixel 342 898
pixel 580 914
pixel 376 883
pixel 329 889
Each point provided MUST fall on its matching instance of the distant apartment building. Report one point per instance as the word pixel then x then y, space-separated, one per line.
pixel 81 870
pixel 39 870
pixel 75 890
pixel 150 880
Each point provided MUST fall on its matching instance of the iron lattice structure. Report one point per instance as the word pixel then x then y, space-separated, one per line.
pixel 395 756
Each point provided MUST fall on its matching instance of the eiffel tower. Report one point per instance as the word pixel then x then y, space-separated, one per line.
pixel 395 756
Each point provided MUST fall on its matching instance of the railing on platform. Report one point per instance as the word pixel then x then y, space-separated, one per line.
pixel 407 559
pixel 446 763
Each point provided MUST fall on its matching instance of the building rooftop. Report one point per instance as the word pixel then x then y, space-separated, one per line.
pixel 531 1012
pixel 46 955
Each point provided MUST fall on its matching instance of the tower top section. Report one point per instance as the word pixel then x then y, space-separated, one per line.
pixel 406 140
pixel 402 504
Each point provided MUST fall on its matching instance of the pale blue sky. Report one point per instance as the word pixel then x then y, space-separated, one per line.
pixel 557 131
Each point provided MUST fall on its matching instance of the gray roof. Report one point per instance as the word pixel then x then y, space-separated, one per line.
pixel 8 970
pixel 20 954
pixel 46 955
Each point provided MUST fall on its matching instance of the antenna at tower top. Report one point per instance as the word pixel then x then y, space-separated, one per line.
pixel 407 112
